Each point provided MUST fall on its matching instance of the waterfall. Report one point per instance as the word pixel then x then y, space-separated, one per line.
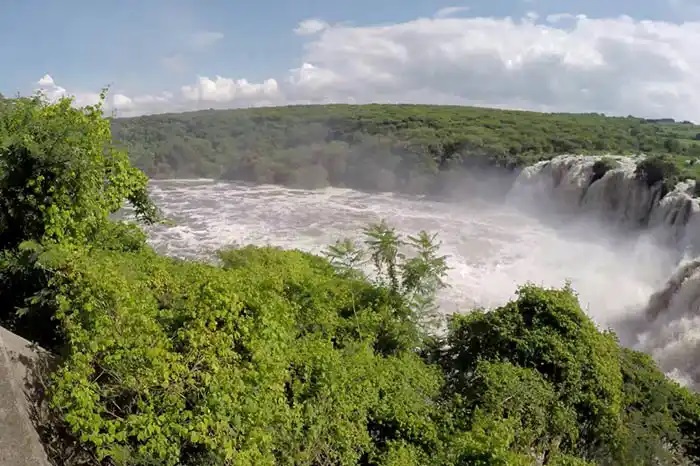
pixel 672 331
pixel 669 327
pixel 568 182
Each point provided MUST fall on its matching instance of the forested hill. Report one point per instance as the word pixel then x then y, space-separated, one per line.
pixel 379 146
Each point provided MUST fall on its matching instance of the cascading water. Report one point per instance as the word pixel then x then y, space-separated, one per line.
pixel 617 196
pixel 554 225
pixel 669 326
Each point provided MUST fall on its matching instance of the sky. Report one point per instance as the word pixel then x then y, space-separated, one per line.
pixel 618 57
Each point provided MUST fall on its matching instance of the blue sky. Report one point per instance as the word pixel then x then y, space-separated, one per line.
pixel 93 43
pixel 147 47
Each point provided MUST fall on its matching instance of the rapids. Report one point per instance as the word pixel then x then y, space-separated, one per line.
pixel 614 240
pixel 625 251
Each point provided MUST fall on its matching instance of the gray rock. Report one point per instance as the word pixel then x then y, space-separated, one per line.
pixel 19 441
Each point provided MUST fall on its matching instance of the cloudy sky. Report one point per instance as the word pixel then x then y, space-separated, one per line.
pixel 639 57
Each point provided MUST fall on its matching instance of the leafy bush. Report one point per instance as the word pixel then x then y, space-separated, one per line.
pixel 60 180
pixel 658 169
pixel 281 357
pixel 252 364
pixel 570 391
pixel 661 419
pixel 60 176
pixel 602 166
pixel 546 330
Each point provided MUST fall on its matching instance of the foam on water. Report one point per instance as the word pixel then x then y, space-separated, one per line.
pixel 624 247
pixel 492 247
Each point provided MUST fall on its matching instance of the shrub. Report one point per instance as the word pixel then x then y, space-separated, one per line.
pixel 546 330
pixel 255 364
pixel 60 175
pixel 602 166
pixel 658 169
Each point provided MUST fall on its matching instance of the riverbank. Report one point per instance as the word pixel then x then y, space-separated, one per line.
pixel 383 147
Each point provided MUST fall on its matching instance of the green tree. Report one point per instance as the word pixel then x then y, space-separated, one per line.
pixel 520 399
pixel 660 417
pixel 379 147
pixel 60 180
pixel 411 269
pixel 546 331
pixel 673 145
pixel 60 175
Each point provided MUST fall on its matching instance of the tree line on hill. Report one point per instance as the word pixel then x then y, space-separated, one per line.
pixel 382 147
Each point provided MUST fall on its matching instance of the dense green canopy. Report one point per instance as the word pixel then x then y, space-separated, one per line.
pixel 283 357
pixel 382 147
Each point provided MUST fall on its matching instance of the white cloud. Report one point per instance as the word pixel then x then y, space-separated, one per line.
pixel 224 90
pixel 450 11
pixel 309 82
pixel 204 39
pixel 559 17
pixel 560 63
pixel 614 65
pixel 310 26
pixel 49 88
pixel 119 102
pixel 46 81
pixel 122 103
pixel 52 91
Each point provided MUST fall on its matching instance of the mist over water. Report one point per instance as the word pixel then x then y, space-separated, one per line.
pixel 492 246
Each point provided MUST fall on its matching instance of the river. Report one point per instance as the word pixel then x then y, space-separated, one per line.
pixel 492 247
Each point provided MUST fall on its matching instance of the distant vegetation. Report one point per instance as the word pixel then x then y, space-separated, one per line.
pixel 280 357
pixel 383 147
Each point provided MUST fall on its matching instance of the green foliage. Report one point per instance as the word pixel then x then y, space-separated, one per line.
pixel 279 357
pixel 545 330
pixel 415 278
pixel 658 169
pixel 521 399
pixel 378 147
pixel 602 166
pixel 249 364
pixel 661 417
pixel 60 177
pixel 60 180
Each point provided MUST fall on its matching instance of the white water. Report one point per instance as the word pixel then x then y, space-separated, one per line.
pixel 619 199
pixel 613 240
pixel 668 326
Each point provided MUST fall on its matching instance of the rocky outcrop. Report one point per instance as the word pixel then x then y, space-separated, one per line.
pixel 19 441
